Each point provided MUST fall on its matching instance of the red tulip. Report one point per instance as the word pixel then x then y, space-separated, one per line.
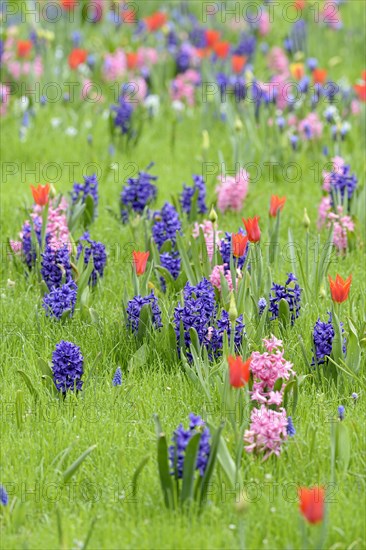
pixel 132 59
pixel 77 57
pixel 239 372
pixel 68 4
pixel 239 244
pixel 140 261
pixel 221 49
pixel 252 229
pixel 211 37
pixel 339 288
pixel 24 48
pixel 319 76
pixel 155 21
pixel 41 194
pixel 277 204
pixel 238 63
pixel 360 90
pixel 312 503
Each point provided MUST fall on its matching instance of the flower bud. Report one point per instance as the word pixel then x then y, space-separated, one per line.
pixel 242 505
pixel 213 215
pixel 306 219
pixel 205 140
pixel 238 125
pixel 53 191
pixel 233 312
pixel 322 292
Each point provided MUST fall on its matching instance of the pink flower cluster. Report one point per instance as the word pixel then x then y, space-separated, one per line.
pixel 18 68
pixel 210 233
pixel 4 98
pixel 57 227
pixel 232 191
pixel 311 127
pixel 215 277
pixel 268 427
pixel 184 85
pixel 338 163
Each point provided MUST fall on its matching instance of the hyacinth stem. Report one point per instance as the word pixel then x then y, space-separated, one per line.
pixel 307 255
pixel 44 225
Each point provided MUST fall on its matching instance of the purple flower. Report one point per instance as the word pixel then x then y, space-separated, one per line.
pixel 323 335
pixel 137 194
pixel 342 182
pixel 226 252
pixel 28 246
pixel 262 304
pixel 56 266
pixel 290 427
pixel 292 295
pixel 83 190
pixel 188 193
pixel 60 300
pixel 96 250
pixel 4 499
pixel 117 378
pixel 180 440
pixel 123 113
pixel 135 306
pixel 341 412
pixel 67 366
pixel 166 224
pixel 171 262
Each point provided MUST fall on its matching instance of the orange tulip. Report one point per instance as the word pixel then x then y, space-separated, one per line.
pixel 155 21
pixel 276 204
pixel 252 229
pixel 41 194
pixel 211 37
pixel 319 76
pixel 221 49
pixel 140 261
pixel 239 244
pixel 132 59
pixel 24 48
pixel 239 372
pixel 297 70
pixel 312 503
pixel 238 63
pixel 339 288
pixel 77 57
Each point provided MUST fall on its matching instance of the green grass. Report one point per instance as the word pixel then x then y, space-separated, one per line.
pixel 120 420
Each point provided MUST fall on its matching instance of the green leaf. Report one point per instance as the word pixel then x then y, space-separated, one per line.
pixel 190 461
pixel 215 443
pixel 144 322
pixel 19 407
pixel 29 384
pixel 342 446
pixel 353 358
pixel 226 461
pixel 137 473
pixel 75 465
pixel 284 312
pixel 163 466
pixel 185 260
pixel 195 340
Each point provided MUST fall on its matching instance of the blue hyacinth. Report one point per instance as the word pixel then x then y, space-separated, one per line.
pixel 290 427
pixel 262 304
pixel 117 378
pixel 341 412
pixel 138 193
pixel 292 295
pixel 135 306
pixel 166 223
pixel 60 300
pixel 67 366
pixel 123 114
pixel 171 262
pixel 323 336
pixel 56 266
pixel 180 441
pixel 188 193
pixel 29 250
pixel 342 182
pixel 88 188
pixel 97 252
pixel 4 498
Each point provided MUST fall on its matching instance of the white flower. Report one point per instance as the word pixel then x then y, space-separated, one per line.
pixel 55 122
pixel 71 131
pixel 178 106
pixel 152 102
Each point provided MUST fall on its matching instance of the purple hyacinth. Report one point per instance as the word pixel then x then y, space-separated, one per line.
pixel 123 114
pixel 183 58
pixel 180 440
pixel 96 250
pixel 139 193
pixel 225 251
pixel 4 498
pixel 246 45
pixel 262 304
pixel 291 431
pixel 56 266
pixel 188 193
pixel 342 182
pixel 341 412
pixel 67 366
pixel 323 335
pixel 117 378
pixel 292 295
pixel 60 300
pixel 88 188
pixel 217 334
pixel 171 262
pixel 28 245
pixel 166 224
pixel 135 306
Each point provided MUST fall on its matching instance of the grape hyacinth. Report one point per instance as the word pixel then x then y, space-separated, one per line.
pixel 166 224
pixel 341 412
pixel 138 194
pixel 292 295
pixel 117 378
pixel 88 188
pixel 67 366
pixel 180 441
pixel 60 300
pixel 56 266
pixel 135 306
pixel 188 193
pixel 96 250
pixel 262 304
pixel 291 431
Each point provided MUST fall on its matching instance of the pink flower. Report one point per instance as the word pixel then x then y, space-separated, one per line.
pixel 231 192
pixel 323 210
pixel 211 235
pixel 267 431
pixel 264 23
pixel 215 278
pixel 272 343
pixel 277 60
pixel 4 98
pixel 147 57
pixel 330 15
pixel 115 65
pixel 183 87
pixel 311 127
pixel 338 163
pixel 57 226
pixel 16 247
pixel 355 107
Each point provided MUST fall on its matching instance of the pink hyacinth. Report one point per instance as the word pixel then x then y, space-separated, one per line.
pixel 215 278
pixel 267 368
pixel 115 65
pixel 330 16
pixel 146 57
pixel 277 61
pixel 211 235
pixel 267 431
pixel 338 163
pixel 231 191
pixel 183 87
pixel 16 247
pixel 342 225
pixel 4 99
pixel 264 24
pixel 311 127
pixel 324 208
pixel 57 226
